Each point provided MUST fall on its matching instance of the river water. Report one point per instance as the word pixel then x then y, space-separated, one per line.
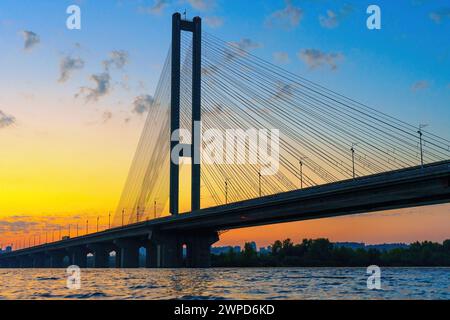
pixel 226 283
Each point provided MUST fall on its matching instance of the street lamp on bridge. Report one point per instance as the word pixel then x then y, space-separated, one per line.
pixel 421 126
pixel 352 149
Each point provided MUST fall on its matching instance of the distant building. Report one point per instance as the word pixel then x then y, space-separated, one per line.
pixel 253 245
pixel 8 249
pixel 225 249
pixel 381 247
pixel 387 246
pixel 351 245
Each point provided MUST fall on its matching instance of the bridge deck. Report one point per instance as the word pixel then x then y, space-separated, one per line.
pixel 396 189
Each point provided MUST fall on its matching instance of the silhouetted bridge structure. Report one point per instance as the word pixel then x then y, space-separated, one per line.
pixel 164 238
pixel 231 88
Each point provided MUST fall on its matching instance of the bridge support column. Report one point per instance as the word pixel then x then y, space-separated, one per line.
pixel 10 263
pixel 128 253
pixel 151 255
pixel 169 252
pixel 118 262
pixel 56 259
pixel 25 262
pixel 199 249
pixel 101 255
pixel 167 249
pixel 38 261
pixel 78 257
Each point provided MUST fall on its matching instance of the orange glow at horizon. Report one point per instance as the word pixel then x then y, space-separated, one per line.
pixel 59 173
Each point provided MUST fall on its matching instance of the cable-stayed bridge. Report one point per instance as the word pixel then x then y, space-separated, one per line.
pixel 333 156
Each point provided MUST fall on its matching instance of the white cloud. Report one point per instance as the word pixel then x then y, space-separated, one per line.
pixel 213 22
pixel 332 18
pixel 102 81
pixel 440 15
pixel 101 88
pixel 243 46
pixel 288 17
pixel 281 57
pixel 142 104
pixel 117 58
pixel 107 115
pixel 16 226
pixel 202 5
pixel 420 85
pixel 6 120
pixel 158 7
pixel 315 58
pixel 67 65
pixel 246 44
pixel 30 39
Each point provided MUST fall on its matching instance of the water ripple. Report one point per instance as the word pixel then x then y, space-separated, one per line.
pixel 226 283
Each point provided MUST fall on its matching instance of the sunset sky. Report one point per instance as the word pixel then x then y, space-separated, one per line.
pixel 70 119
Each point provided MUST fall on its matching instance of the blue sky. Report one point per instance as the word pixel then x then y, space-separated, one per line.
pixel 380 68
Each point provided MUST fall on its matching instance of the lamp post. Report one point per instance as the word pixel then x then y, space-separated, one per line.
pixel 259 182
pixel 352 149
pixel 421 126
pixel 226 190
pixel 301 173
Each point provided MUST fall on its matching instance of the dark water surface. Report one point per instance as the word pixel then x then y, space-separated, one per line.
pixel 226 283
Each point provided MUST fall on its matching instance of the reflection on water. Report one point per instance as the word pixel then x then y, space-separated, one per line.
pixel 254 283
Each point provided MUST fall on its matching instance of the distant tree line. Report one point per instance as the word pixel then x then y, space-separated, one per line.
pixel 322 253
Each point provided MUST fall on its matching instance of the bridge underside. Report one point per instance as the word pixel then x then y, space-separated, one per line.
pixel 166 239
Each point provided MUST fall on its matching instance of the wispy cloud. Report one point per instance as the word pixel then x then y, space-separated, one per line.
pixel 243 46
pixel 315 58
pixel 214 22
pixel 420 85
pixel 158 7
pixel 281 57
pixel 6 120
pixel 283 91
pixel 288 17
pixel 107 115
pixel 117 58
pixel 102 86
pixel 30 39
pixel 102 81
pixel 202 5
pixel 67 65
pixel 142 104
pixel 440 15
pixel 246 44
pixel 332 19
pixel 7 226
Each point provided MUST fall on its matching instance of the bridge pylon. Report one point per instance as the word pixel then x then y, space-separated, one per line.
pixel 195 27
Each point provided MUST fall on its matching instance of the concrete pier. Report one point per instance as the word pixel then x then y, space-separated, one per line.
pixel 128 253
pixel 38 260
pixel 56 259
pixel 101 255
pixel 78 256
